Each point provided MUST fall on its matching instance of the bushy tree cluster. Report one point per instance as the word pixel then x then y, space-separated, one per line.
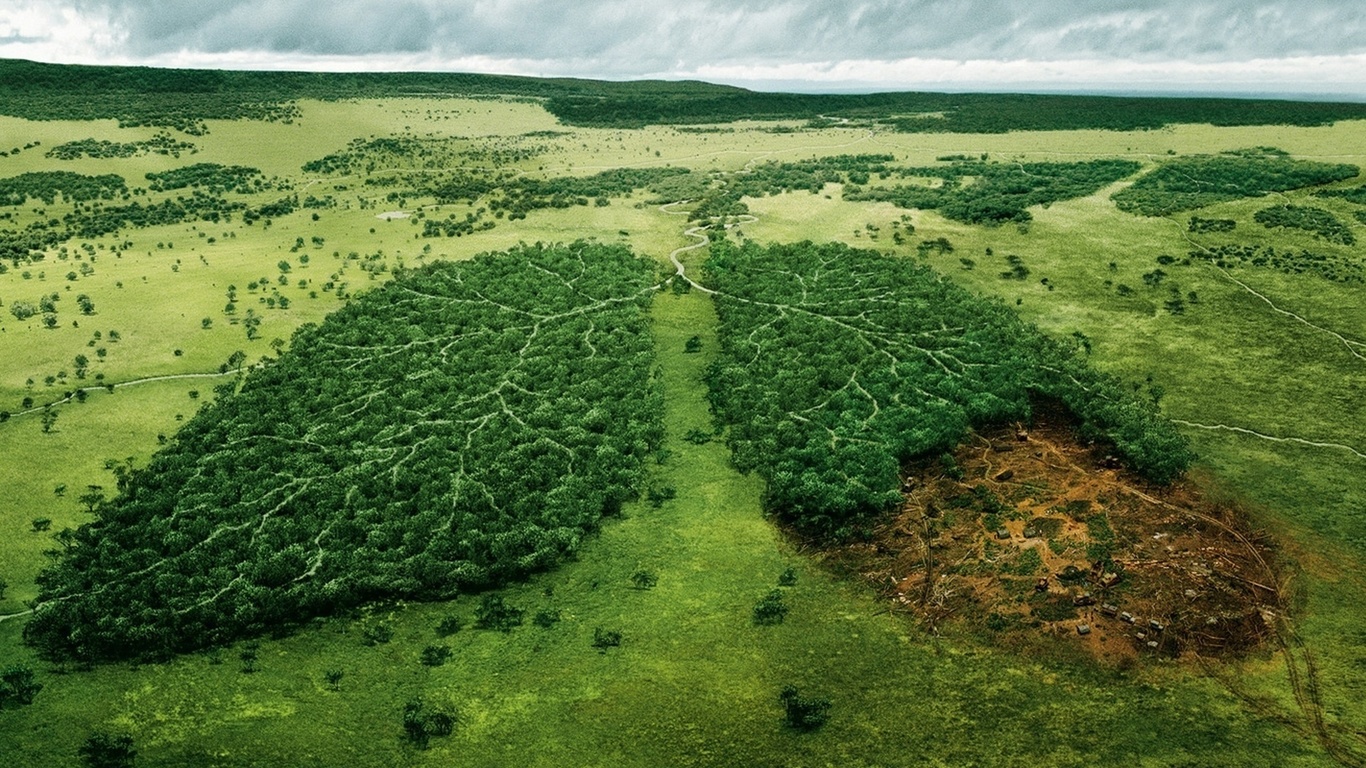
pixel 1340 268
pixel 1316 221
pixel 1187 183
pixel 72 187
pixel 463 425
pixel 211 177
pixel 999 192
pixel 838 365
pixel 1350 194
pixel 523 194
pixel 98 219
pixel 160 144
pixel 1201 226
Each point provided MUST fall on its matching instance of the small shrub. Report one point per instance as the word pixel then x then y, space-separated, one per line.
pixel 788 578
pixel 770 609
pixel 546 618
pixel 420 725
pixel 333 677
pixel 106 750
pixel 377 634
pixel 644 580
pixel 494 613
pixel 803 714
pixel 17 686
pixel 606 638
pixel 449 625
pixel 435 655
pixel 697 436
pixel 658 494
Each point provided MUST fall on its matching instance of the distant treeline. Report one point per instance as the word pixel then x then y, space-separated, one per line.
pixel 184 99
pixel 943 113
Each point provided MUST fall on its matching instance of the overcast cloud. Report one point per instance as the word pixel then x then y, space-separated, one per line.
pixel 1309 46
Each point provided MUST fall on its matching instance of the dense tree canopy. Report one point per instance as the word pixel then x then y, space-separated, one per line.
pixel 1187 183
pixel 461 426
pixel 978 192
pixel 839 365
pixel 48 185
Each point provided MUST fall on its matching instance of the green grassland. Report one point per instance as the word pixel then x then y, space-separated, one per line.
pixel 1264 370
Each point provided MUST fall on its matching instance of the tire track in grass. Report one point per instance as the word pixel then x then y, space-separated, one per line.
pixel 1272 438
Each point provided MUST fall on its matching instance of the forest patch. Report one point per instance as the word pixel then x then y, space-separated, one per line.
pixel 1187 183
pixel 461 426
pixel 838 366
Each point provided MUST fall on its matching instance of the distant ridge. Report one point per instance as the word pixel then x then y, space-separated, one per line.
pixel 185 98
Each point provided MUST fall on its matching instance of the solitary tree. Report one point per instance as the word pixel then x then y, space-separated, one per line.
pixel 106 750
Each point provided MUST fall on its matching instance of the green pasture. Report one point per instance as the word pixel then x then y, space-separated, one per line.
pixel 694 681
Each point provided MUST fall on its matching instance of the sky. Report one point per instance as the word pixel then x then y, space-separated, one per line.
pixel 1284 47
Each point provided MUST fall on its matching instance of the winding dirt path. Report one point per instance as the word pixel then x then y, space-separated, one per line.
pixel 121 384
pixel 1272 438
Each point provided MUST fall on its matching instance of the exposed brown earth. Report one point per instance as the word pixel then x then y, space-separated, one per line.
pixel 1031 535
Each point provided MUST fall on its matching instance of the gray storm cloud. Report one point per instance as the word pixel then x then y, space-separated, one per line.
pixel 1304 46
pixel 645 37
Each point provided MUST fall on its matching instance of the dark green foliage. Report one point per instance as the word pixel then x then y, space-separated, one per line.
pixel 697 436
pixel 811 175
pixel 495 613
pixel 435 655
pixel 1316 221
pixel 999 192
pixel 98 219
pixel 837 366
pixel 1193 182
pixel 449 625
pixel 643 579
pixel 107 750
pixel 1047 607
pixel 546 618
pixel 605 638
pixel 944 113
pixel 463 425
pixel 801 713
pixel 788 578
pixel 524 194
pixel 184 99
pixel 771 609
pixel 658 494
pixel 693 345
pixel 212 177
pixel 160 144
pixel 1351 194
pixel 333 678
pixel 1201 226
pixel 421 724
pixel 72 187
pixel 17 687
pixel 378 634
pixel 1344 268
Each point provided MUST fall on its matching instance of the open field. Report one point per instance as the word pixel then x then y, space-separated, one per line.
pixel 1263 370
